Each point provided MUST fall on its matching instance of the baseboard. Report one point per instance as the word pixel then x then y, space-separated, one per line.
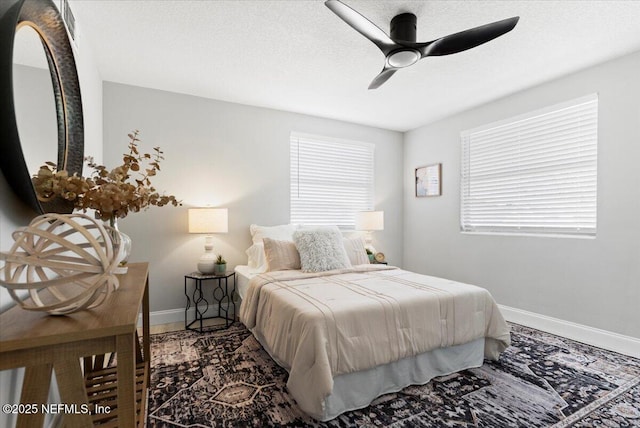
pixel 175 315
pixel 167 317
pixel 593 336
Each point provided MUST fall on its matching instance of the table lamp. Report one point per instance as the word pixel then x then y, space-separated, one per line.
pixel 208 220
pixel 369 221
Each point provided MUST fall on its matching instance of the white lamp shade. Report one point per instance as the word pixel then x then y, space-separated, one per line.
pixel 208 220
pixel 370 220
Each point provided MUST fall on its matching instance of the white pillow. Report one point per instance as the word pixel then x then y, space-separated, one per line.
pixel 321 249
pixel 255 255
pixel 281 233
pixel 355 251
pixel 281 255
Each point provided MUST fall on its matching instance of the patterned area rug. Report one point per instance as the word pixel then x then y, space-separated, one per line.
pixel 223 378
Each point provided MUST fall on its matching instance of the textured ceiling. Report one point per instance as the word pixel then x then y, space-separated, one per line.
pixel 299 56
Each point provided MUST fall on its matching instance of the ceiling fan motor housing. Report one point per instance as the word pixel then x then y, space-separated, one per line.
pixel 403 27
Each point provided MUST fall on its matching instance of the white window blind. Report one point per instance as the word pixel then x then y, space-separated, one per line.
pixel 536 173
pixel 330 180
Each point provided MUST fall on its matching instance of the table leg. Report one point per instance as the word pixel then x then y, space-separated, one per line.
pixel 233 302
pixel 35 389
pixel 186 309
pixel 72 391
pixel 200 297
pixel 126 380
pixel 146 344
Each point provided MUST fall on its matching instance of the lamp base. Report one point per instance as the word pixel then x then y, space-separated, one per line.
pixel 206 263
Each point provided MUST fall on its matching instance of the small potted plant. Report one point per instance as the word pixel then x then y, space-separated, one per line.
pixel 220 267
pixel 370 255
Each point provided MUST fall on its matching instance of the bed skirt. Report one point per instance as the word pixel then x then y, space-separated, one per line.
pixel 357 390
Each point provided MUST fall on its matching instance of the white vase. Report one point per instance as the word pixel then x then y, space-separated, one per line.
pixel 125 241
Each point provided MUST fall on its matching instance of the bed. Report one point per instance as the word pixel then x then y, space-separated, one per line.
pixel 347 336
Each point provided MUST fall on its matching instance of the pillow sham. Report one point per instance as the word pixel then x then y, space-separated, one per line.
pixel 354 248
pixel 281 255
pixel 321 249
pixel 282 232
pixel 255 257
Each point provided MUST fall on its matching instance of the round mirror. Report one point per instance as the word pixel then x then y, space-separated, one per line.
pixel 34 103
pixel 42 17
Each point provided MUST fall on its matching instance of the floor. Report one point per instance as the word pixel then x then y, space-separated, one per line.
pixel 166 328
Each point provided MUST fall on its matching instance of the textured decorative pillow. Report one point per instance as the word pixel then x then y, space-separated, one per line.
pixel 355 251
pixel 281 255
pixel 283 232
pixel 255 257
pixel 321 249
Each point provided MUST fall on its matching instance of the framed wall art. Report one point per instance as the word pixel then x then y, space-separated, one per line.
pixel 429 180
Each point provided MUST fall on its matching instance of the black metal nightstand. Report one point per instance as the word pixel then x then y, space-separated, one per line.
pixel 220 294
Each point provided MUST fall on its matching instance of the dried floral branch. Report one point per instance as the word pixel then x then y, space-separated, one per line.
pixel 111 193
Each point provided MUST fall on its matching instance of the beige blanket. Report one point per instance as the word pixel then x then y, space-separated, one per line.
pixel 318 326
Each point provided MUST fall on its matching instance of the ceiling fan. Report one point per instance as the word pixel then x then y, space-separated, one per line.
pixel 400 47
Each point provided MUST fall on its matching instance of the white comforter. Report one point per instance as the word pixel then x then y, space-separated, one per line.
pixel 321 325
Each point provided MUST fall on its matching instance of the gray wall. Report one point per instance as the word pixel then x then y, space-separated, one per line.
pixel 226 155
pixel 595 282
pixel 13 213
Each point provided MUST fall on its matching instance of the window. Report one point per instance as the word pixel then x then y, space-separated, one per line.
pixel 330 180
pixel 535 173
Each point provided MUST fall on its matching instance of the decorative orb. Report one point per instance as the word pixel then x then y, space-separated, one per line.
pixel 64 263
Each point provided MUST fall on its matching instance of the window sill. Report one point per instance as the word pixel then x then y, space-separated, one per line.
pixel 531 235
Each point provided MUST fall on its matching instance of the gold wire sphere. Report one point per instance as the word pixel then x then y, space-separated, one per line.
pixel 64 263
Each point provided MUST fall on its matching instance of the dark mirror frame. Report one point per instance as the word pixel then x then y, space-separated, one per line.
pixel 44 18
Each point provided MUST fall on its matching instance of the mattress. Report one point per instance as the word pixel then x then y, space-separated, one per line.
pixel 243 275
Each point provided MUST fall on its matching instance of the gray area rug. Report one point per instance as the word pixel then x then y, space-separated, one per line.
pixel 223 378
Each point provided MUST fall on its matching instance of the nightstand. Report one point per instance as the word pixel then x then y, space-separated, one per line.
pixel 378 263
pixel 222 294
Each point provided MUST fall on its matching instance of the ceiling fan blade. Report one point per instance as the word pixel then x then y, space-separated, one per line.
pixel 467 39
pixel 384 75
pixel 362 25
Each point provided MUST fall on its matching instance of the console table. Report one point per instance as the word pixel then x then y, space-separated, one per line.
pixel 74 347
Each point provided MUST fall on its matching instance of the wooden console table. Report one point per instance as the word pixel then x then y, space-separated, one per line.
pixel 42 343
